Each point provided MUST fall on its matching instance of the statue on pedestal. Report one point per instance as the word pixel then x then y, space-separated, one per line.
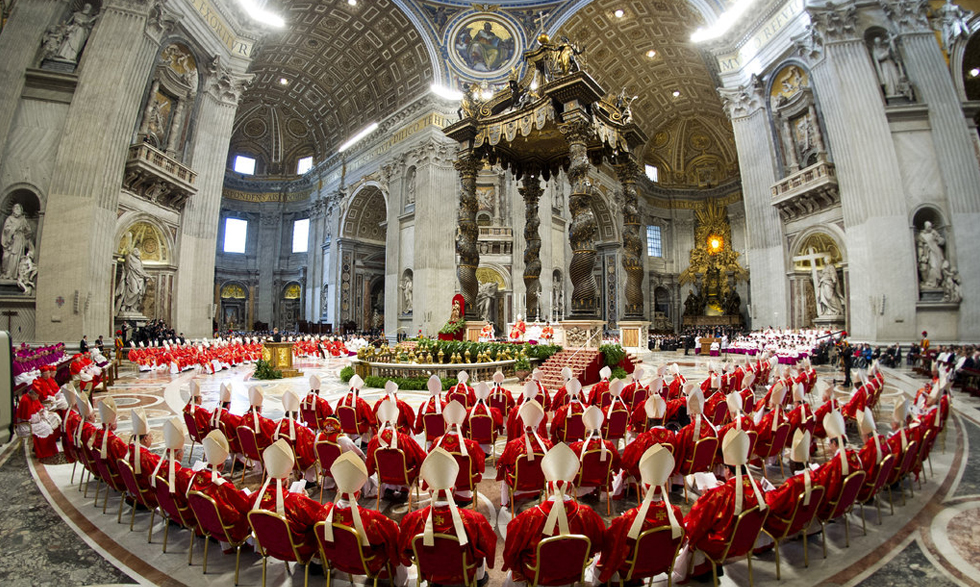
pixel 888 66
pixel 132 285
pixel 407 294
pixel 954 24
pixel 829 297
pixel 930 253
pixel 15 240
pixel 484 299
pixel 65 41
pixel 951 284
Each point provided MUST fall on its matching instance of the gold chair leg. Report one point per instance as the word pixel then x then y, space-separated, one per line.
pixel 190 550
pixel 238 559
pixel 231 474
pixel 864 525
pixel 122 500
pixel 98 486
pixel 847 532
pixel 823 538
pixel 149 531
pixel 166 533
pixel 749 559
pixel 891 502
pixel 204 571
pixel 806 550
pixel 377 501
pixel 714 573
pixel 776 550
pixel 72 482
pixel 265 560
pixel 931 473
pixel 306 576
pixel 132 515
pixel 878 506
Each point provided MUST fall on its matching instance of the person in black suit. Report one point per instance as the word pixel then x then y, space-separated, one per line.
pixel 276 337
pixel 83 344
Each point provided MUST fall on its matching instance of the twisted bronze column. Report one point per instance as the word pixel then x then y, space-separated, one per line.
pixel 632 247
pixel 467 233
pixel 531 191
pixel 582 230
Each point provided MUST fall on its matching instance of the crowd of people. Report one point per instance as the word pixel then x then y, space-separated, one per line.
pixel 648 436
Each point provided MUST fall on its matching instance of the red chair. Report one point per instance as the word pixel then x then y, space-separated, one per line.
pixel 740 542
pixel 346 554
pixel 615 423
pixel 840 505
pixel 653 552
pixel 462 397
pixel 798 521
pixel 197 436
pixel 172 511
pixel 566 556
pixel 498 401
pixel 482 431
pixel 274 538
pixel 212 526
pixel 468 478
pixel 251 448
pixel 326 453
pixel 720 417
pixel 595 473
pixel 928 441
pixel 774 449
pixel 434 425
pixel 639 398
pixel 113 481
pixel 574 429
pixel 872 486
pixel 901 470
pixel 700 460
pixel 307 412
pixel 393 470
pixel 349 421
pixel 527 477
pixel 140 496
pixel 446 558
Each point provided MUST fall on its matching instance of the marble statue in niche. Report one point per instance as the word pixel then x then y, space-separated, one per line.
pixel 27 273
pixel 323 299
pixel 65 41
pixel 888 66
pixel 407 294
pixel 485 296
pixel 410 186
pixel 131 286
pixel 951 284
pixel 559 194
pixel 953 23
pixel 931 255
pixel 830 298
pixel 17 239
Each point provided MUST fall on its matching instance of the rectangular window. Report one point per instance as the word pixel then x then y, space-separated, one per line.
pixel 244 165
pixel 235 231
pixel 301 235
pixel 653 242
pixel 653 173
pixel 305 164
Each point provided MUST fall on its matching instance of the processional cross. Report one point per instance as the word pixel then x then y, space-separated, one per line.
pixel 812 260
pixel 10 317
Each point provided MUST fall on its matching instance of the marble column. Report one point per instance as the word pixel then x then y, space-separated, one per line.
pixel 632 247
pixel 393 292
pixel 467 233
pixel 953 143
pixel 878 247
pixel 764 240
pixel 199 219
pixel 583 227
pixel 80 219
pixel 531 191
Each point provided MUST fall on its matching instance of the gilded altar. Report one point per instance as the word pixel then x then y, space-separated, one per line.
pixel 280 356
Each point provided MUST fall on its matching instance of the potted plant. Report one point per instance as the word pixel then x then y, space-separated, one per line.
pixel 522 368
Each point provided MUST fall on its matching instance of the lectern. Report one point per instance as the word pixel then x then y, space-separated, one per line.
pixel 280 356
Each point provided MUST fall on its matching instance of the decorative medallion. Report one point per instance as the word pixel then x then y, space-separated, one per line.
pixel 484 45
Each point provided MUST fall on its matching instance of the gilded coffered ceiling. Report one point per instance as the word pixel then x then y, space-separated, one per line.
pixel 345 67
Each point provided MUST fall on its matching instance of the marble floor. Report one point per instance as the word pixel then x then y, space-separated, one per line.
pixel 931 539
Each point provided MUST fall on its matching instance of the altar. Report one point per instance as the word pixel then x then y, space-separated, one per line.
pixel 279 355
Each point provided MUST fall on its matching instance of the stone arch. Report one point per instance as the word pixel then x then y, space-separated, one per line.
pixel 791 99
pixel 964 57
pixel 367 211
pixel 607 230
pixel 233 306
pixel 161 247
pixel 823 239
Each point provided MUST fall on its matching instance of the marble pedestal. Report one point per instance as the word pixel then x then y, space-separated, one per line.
pixel 832 323
pixel 578 334
pixel 633 334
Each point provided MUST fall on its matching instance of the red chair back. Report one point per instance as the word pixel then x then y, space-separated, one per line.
pixel 208 516
pixel 348 420
pixel 461 396
pixel 145 497
pixel 273 537
pixel 481 429
pixel 527 474
pixel 307 411
pixel 465 477
pixel 652 553
pixel 721 415
pixel 615 424
pixel 345 553
pixel 498 401
pixel 391 466
pixel 842 502
pixel 574 428
pixel 326 453
pixel 702 457
pixel 446 559
pixel 928 440
pixel 908 461
pixel 639 398
pixel 249 441
pixel 805 513
pixel 777 444
pixel 563 559
pixel 110 477
pixel 192 431
pixel 744 532
pixel 873 485
pixel 593 472
pixel 434 424
pixel 180 514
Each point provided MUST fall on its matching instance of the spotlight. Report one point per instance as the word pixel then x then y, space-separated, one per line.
pixel 651 53
pixel 676 94
pixel 283 81
pixel 975 72
pixel 620 13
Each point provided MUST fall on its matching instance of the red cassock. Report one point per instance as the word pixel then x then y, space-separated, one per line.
pixel 481 408
pixel 630 390
pixel 318 405
pixel 228 423
pixel 711 404
pixel 202 418
pixel 764 402
pixel 782 501
pixel 818 415
pixel 895 445
pixel 746 424
pixel 148 462
pixel 543 397
pixel 406 415
pixel 381 532
pixel 526 530
pixel 462 393
pixel 706 388
pixel 870 460
pixel 414 455
pixel 763 442
pixel 233 504
pixel 450 442
pixel 517 448
pixel 735 378
pixel 428 408
pixel 561 417
pixel 595 444
pixel 616 545
pixel 676 386
pixel 858 401
pixel 43 447
pixel 829 475
pixel 685 440
pixel 302 443
pixel 599 395
pixel 481 538
pixel 712 517
pixel 799 417
pixel 515 426
pixel 115 448
pixel 364 413
pixel 635 449
pixel 69 425
pixel 501 398
pixel 301 511
pixel 263 427
pixel 560 399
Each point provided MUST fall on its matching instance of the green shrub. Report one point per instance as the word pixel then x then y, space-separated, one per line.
pixel 613 354
pixel 522 364
pixel 619 373
pixel 264 370
pixel 407 383
pixel 346 373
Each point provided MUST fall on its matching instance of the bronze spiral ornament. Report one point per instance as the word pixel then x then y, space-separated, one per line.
pixel 531 191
